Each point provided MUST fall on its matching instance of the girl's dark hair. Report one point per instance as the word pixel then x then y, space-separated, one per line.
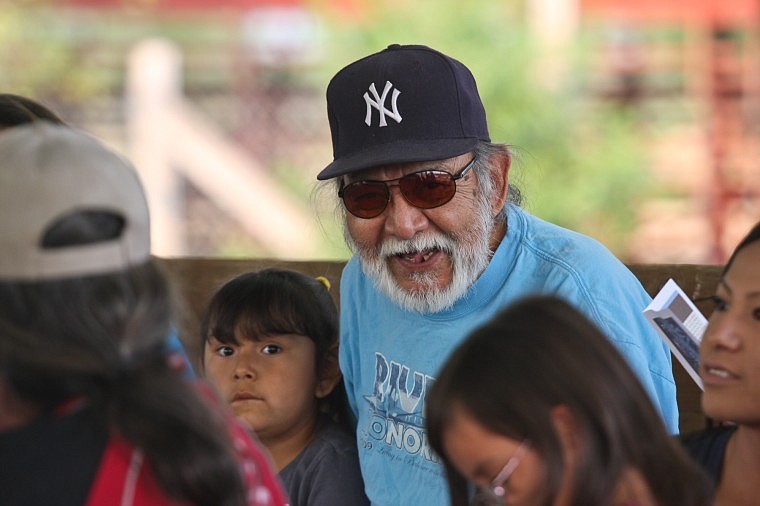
pixel 541 353
pixel 103 338
pixel 17 110
pixel 752 236
pixel 278 301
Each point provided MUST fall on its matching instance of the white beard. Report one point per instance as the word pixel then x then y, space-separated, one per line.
pixel 469 253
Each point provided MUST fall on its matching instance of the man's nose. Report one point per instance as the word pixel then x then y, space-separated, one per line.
pixel 402 219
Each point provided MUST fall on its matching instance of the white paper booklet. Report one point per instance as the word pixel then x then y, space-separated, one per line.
pixel 678 321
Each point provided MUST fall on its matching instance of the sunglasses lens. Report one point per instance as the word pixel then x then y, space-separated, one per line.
pixel 365 199
pixel 428 189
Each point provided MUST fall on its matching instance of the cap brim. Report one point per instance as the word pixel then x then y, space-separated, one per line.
pixel 405 151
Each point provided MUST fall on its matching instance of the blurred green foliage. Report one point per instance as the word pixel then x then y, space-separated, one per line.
pixel 37 61
pixel 579 162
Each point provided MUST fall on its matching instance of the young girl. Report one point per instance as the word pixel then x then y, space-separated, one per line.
pixel 269 345
pixel 537 407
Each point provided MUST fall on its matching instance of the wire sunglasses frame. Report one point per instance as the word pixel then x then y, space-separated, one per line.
pixel 495 494
pixel 425 189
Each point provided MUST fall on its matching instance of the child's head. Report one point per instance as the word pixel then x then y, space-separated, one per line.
pixel 540 372
pixel 269 344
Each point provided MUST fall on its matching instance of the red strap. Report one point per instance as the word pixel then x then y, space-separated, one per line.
pixel 124 479
pixel 115 485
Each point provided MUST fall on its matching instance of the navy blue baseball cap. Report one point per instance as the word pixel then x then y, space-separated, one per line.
pixel 403 104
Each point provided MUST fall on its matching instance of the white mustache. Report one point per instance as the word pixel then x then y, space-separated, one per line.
pixel 392 246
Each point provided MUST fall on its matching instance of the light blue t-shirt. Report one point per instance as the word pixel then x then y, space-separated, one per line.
pixel 390 356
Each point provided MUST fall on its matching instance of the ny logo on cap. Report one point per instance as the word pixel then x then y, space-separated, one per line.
pixel 379 104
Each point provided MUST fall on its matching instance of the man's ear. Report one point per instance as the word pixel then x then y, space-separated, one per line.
pixel 500 163
pixel 328 374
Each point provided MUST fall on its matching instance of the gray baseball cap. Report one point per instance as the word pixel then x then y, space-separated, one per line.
pixel 50 171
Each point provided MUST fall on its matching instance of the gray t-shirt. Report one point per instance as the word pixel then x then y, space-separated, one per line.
pixel 326 473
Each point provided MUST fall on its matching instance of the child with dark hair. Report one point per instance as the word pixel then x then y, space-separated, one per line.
pixel 537 406
pixel 269 344
pixel 91 410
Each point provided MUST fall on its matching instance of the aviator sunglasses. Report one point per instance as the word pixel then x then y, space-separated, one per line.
pixel 425 189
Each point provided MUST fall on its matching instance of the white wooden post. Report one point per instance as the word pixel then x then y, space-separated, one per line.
pixel 154 88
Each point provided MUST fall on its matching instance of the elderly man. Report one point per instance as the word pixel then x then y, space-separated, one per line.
pixel 441 244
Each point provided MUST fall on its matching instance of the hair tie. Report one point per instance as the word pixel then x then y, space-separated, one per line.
pixel 324 281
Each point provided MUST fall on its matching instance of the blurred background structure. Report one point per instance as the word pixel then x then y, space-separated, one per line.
pixel 637 123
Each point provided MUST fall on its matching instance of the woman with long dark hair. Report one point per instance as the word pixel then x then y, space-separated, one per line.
pixel 537 407
pixel 91 410
pixel 730 370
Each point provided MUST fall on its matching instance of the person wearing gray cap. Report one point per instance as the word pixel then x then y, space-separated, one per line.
pixel 16 110
pixel 441 244
pixel 92 411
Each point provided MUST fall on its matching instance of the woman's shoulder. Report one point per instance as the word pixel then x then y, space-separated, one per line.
pixel 709 439
pixel 707 447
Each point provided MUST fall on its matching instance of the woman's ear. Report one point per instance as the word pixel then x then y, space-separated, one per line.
pixel 570 439
pixel 566 427
pixel 328 374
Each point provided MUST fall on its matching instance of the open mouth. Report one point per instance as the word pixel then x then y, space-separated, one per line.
pixel 719 372
pixel 418 257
